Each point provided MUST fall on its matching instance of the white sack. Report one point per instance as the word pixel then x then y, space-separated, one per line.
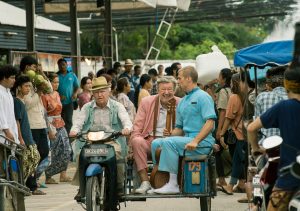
pixel 209 65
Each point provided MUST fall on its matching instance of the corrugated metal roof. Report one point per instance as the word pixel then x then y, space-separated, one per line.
pixel 11 15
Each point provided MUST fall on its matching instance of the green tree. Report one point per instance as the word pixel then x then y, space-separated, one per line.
pixel 185 41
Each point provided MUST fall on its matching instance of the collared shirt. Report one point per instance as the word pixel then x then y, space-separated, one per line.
pixel 7 114
pixel 161 122
pixel 101 118
pixel 193 111
pixel 67 84
pixel 266 100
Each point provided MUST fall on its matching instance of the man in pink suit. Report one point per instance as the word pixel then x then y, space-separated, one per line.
pixel 145 129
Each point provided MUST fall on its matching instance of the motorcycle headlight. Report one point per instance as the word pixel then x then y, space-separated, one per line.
pixel 95 136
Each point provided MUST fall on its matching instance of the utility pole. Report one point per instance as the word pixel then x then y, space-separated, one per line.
pixel 107 47
pixel 30 28
pixel 74 36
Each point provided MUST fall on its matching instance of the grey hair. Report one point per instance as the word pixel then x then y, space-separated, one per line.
pixel 167 79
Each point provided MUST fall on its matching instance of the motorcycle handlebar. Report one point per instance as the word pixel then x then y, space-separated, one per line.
pixel 114 135
pixel 9 142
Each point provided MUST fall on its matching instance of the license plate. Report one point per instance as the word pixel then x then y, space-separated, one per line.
pixel 256 180
pixel 96 152
pixel 257 192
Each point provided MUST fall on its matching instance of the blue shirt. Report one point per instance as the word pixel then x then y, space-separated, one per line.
pixel 135 81
pixel 67 84
pixel 285 115
pixel 193 111
pixel 21 116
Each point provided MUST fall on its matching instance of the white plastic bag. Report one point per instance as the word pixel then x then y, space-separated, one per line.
pixel 167 3
pixel 209 65
pixel 181 4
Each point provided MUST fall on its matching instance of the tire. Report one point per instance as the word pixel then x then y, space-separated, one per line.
pixel 93 194
pixel 205 203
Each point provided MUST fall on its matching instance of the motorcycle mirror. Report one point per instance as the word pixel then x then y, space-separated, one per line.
pixel 298 159
pixel 271 142
pixel 295 170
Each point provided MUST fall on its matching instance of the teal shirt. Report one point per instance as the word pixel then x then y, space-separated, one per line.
pixel 67 84
pixel 193 111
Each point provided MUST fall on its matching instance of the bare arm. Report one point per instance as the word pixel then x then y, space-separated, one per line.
pixel 221 121
pixel 252 130
pixel 225 126
pixel 20 133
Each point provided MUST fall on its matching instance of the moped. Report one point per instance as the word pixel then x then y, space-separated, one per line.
pixel 294 169
pixel 264 181
pixel 98 171
pixel 98 176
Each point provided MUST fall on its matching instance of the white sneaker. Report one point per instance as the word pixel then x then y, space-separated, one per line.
pixel 151 191
pixel 145 186
pixel 168 189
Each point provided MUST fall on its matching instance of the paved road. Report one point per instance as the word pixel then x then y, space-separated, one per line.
pixel 60 198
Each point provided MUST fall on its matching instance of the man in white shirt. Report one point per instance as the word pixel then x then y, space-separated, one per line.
pixel 103 114
pixel 8 125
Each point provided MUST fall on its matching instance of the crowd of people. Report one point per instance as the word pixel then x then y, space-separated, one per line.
pixel 225 115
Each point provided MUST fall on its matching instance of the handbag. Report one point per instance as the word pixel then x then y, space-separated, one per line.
pixel 231 137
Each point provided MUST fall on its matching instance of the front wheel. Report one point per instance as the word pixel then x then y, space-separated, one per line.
pixel 93 194
pixel 205 203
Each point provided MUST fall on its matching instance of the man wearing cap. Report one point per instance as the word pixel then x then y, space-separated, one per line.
pixel 104 114
pixel 128 74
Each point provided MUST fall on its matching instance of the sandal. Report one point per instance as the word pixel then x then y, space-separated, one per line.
pixel 42 185
pixel 38 192
pixel 65 179
pixel 225 191
pixel 244 200
pixel 51 181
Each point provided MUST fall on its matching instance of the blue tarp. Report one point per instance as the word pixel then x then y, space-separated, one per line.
pixel 278 53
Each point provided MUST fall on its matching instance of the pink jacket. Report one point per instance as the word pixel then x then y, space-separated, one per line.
pixel 143 123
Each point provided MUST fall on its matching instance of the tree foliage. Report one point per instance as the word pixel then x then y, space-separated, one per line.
pixel 188 41
pixel 183 42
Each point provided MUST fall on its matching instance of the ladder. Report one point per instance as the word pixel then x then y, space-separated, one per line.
pixel 160 37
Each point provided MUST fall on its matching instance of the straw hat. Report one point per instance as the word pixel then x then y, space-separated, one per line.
pixel 99 83
pixel 128 62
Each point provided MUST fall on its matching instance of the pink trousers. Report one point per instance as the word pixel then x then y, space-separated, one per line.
pixel 141 148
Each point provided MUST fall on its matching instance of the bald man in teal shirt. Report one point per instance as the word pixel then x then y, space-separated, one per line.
pixel 195 118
